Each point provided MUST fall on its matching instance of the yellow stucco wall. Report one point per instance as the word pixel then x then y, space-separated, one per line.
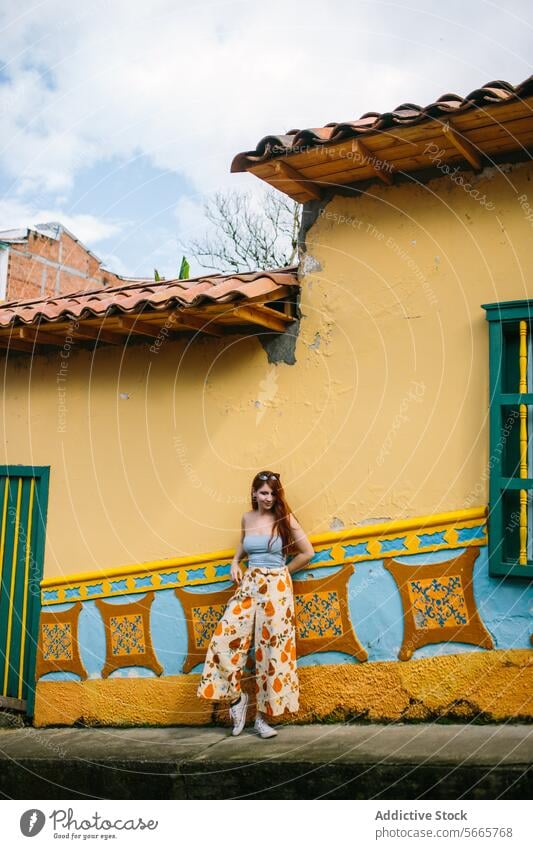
pixel 492 685
pixel 402 272
pixel 383 415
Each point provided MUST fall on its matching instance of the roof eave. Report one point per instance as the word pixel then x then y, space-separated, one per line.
pixel 239 303
pixel 475 137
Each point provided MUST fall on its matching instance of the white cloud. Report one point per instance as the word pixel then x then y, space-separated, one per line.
pixel 190 86
pixel 114 263
pixel 87 228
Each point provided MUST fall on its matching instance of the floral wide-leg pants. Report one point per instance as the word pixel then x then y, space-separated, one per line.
pixel 262 609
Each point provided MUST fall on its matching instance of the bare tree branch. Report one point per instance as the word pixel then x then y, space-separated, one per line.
pixel 245 237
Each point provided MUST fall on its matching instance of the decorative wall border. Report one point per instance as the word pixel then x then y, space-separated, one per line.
pixel 419 535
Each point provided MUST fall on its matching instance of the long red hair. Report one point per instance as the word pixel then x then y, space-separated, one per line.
pixel 280 508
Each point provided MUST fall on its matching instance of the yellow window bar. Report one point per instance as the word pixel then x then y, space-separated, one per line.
pixel 12 586
pixel 26 589
pixel 523 444
pixel 4 526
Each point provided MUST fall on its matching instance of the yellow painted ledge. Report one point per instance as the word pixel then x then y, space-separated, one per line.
pixel 495 685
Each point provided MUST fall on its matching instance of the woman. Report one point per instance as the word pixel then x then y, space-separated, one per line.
pixel 261 608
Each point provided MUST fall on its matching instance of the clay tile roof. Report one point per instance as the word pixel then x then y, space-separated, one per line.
pixel 407 114
pixel 132 298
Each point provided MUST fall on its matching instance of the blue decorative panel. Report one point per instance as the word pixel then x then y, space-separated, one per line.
pixel 321 556
pixel 222 570
pixel 195 574
pixel 168 578
pixel 94 589
pixel 118 586
pixel 51 595
pixel 318 572
pixel 356 550
pixel 438 538
pixel 388 545
pixel 145 581
pixel 325 658
pixel 72 592
pixel 466 534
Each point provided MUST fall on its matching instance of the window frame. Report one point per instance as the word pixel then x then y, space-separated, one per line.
pixel 501 316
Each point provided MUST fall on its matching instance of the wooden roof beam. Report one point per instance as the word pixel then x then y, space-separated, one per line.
pixel 15 343
pixel 265 317
pixel 285 293
pixel 285 172
pixel 464 147
pixel 190 322
pixel 379 166
pixel 38 336
pixel 137 327
pixel 175 322
pixel 92 331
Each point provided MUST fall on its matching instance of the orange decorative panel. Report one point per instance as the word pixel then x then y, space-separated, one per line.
pixel 202 612
pixel 127 630
pixel 58 649
pixel 323 618
pixel 438 603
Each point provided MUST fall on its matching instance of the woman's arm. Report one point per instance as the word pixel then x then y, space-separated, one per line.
pixel 235 571
pixel 304 549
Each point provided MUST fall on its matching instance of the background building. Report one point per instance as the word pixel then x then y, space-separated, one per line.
pixel 45 261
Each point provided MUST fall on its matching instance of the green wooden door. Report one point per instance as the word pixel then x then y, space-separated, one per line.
pixel 23 506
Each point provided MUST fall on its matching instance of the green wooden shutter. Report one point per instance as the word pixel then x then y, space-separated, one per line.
pixel 23 507
pixel 505 482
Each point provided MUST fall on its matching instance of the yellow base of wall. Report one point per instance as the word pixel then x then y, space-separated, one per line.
pixel 495 685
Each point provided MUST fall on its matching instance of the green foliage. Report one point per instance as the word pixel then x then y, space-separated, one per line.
pixel 184 269
pixel 183 272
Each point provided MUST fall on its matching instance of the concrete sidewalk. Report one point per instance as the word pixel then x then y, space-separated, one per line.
pixel 428 761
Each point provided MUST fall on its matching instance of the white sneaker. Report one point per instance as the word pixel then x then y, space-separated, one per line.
pixel 238 714
pixel 263 728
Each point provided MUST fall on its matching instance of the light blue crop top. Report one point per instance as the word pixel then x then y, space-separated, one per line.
pixel 256 547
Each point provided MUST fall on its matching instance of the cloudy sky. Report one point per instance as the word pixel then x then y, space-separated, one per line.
pixel 119 117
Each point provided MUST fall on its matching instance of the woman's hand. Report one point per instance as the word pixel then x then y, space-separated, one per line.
pixel 235 573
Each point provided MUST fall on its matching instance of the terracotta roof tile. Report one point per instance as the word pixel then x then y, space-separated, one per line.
pixel 406 114
pixel 134 297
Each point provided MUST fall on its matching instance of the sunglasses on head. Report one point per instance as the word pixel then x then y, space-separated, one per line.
pixel 268 477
